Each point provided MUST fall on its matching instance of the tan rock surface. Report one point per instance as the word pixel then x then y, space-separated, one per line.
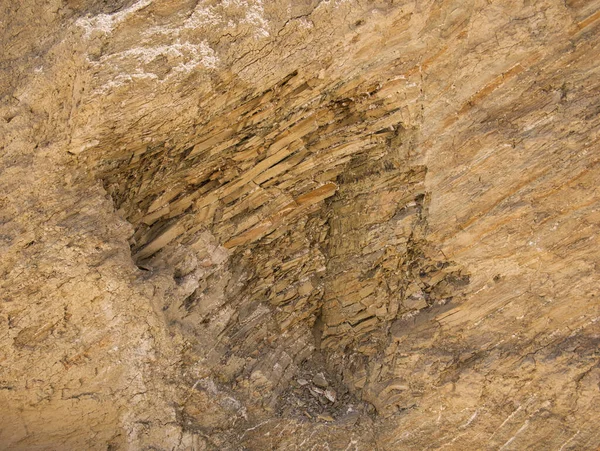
pixel 299 225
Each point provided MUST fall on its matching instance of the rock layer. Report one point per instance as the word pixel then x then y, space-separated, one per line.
pixel 300 225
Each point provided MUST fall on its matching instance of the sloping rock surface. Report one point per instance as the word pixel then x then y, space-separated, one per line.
pixel 341 225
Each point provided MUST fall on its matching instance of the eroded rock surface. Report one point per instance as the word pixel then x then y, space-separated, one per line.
pixel 299 225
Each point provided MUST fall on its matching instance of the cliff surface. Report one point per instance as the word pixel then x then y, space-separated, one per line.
pixel 341 225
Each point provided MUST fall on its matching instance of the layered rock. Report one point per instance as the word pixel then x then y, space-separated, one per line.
pixel 347 225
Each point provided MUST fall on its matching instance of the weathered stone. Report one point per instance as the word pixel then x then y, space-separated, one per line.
pixel 398 197
pixel 320 381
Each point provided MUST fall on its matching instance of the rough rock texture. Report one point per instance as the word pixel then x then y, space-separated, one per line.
pixel 341 225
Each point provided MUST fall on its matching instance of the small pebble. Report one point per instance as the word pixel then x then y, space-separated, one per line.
pixel 320 381
pixel 330 395
pixel 326 417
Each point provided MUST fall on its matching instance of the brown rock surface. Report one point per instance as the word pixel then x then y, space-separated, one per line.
pixel 302 225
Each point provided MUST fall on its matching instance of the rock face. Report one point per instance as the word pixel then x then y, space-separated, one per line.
pixel 299 225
